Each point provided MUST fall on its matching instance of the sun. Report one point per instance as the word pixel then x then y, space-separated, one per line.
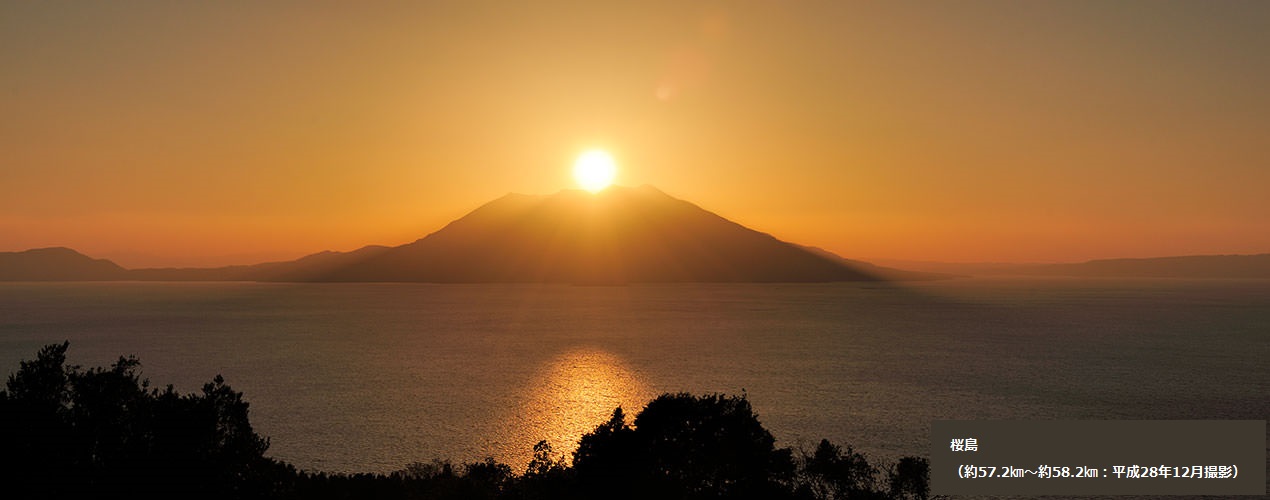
pixel 594 170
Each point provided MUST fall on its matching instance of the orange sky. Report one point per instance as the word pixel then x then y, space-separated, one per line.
pixel 161 133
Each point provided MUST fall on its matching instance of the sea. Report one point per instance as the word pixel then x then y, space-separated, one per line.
pixel 373 377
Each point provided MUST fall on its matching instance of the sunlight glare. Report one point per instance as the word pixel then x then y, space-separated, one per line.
pixel 594 170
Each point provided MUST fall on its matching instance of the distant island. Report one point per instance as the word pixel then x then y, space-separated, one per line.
pixel 621 235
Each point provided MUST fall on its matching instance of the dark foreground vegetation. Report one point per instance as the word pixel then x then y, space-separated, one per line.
pixel 66 432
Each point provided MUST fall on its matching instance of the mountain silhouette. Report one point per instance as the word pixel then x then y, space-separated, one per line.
pixel 301 269
pixel 620 235
pixel 57 264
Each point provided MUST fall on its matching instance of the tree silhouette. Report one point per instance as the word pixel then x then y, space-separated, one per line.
pixel 911 478
pixel 34 424
pixel 106 432
pixel 683 446
pixel 831 473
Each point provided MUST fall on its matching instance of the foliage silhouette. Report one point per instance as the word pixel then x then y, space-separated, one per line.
pixel 910 478
pixel 104 432
pixel 683 446
pixel 831 473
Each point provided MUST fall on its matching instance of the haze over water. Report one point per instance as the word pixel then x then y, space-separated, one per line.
pixel 371 377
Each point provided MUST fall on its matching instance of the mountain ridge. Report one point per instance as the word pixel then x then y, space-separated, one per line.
pixel 620 235
pixel 56 264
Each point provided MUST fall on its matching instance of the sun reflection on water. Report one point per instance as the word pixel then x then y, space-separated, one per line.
pixel 570 396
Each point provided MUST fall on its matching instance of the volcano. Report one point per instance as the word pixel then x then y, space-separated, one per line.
pixel 620 235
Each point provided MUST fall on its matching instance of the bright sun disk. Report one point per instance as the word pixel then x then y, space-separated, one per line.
pixel 594 170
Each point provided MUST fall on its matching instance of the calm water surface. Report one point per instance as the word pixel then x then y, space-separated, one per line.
pixel 371 377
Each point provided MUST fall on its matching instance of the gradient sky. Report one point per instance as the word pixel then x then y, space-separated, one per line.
pixel 206 133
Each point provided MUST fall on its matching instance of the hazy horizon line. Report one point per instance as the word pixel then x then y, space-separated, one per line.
pixel 131 259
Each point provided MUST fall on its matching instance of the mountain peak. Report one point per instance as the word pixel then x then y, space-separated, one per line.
pixel 56 264
pixel 618 235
